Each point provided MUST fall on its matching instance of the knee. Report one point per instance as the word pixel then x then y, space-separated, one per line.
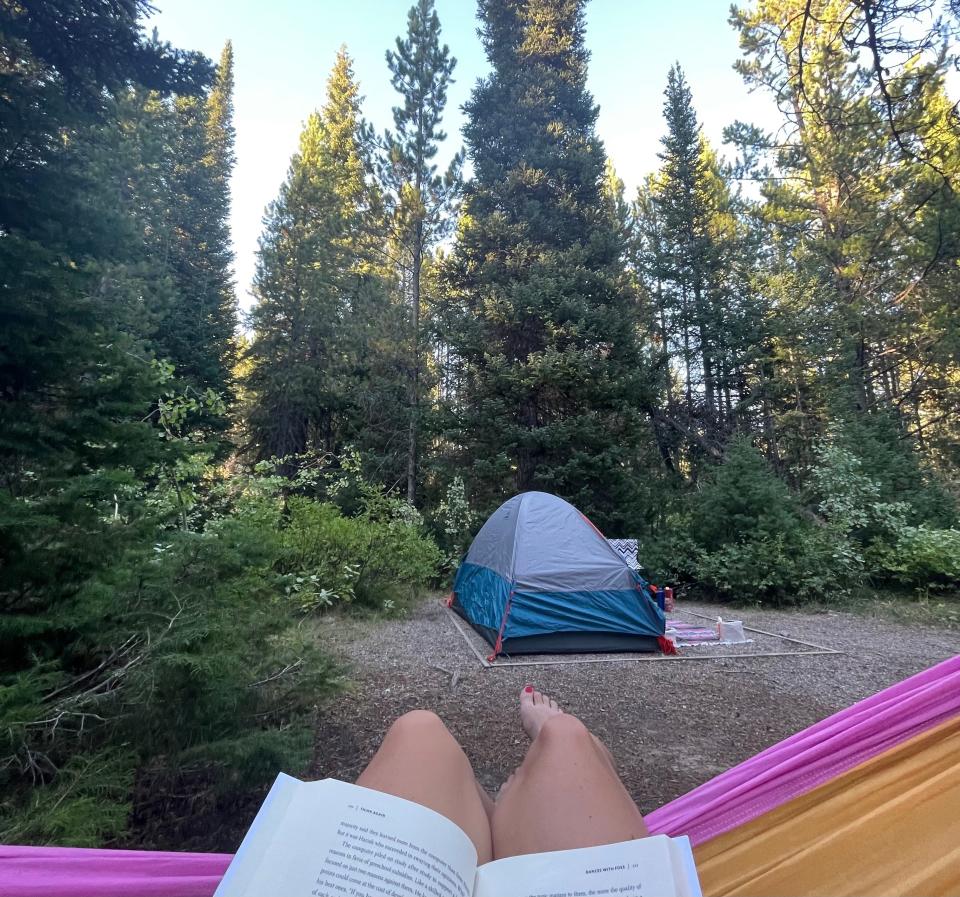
pixel 418 724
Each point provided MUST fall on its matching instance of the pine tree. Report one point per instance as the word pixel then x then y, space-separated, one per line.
pixel 71 306
pixel 537 311
pixel 864 212
pixel 219 161
pixel 317 291
pixel 198 329
pixel 420 200
pixel 615 199
pixel 694 252
pixel 692 256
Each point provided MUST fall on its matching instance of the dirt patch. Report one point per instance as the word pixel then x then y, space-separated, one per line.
pixel 671 726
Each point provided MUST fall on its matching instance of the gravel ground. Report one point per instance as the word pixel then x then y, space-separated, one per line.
pixel 670 725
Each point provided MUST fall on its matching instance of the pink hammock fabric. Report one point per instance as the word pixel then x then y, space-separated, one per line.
pixel 757 785
pixel 76 872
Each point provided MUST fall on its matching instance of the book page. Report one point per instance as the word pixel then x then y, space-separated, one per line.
pixel 642 868
pixel 337 840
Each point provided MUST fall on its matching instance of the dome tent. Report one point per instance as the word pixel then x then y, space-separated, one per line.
pixel 540 578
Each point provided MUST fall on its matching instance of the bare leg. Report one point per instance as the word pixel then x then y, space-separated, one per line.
pixel 566 792
pixel 420 760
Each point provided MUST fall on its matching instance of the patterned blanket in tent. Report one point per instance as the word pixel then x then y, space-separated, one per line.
pixel 627 549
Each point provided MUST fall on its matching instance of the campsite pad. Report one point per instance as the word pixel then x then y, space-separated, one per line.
pixel 763 644
pixel 670 725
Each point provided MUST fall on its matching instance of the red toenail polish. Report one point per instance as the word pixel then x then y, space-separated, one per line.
pixel 528 689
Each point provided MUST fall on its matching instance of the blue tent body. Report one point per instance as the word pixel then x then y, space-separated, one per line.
pixel 541 578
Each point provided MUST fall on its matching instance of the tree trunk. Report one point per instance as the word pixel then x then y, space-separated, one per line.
pixel 527 456
pixel 412 436
pixel 686 352
pixel 706 355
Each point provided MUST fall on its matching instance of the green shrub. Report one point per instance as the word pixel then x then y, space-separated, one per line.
pixel 742 500
pixel 746 537
pixel 853 503
pixel 378 560
pixel 87 801
pixel 454 520
pixel 892 461
pixel 875 520
pixel 779 571
pixel 180 650
pixel 922 556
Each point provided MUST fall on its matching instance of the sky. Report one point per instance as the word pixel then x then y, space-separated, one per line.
pixel 284 50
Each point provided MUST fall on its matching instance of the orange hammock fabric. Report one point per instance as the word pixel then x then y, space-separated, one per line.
pixel 887 826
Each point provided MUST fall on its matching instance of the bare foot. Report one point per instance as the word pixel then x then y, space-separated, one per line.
pixel 535 709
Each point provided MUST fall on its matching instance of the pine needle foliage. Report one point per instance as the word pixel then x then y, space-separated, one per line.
pixel 537 313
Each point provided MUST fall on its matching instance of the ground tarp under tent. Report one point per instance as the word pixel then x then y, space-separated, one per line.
pixel 541 578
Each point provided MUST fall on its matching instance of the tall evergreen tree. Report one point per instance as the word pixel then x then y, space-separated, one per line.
pixel 693 252
pixel 317 291
pixel 537 313
pixel 864 212
pixel 70 254
pixel 692 257
pixel 219 161
pixel 197 331
pixel 420 200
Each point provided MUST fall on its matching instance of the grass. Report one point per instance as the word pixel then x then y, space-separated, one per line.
pixel 917 607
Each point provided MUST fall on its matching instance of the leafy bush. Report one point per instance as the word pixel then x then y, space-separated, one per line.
pixel 778 571
pixel 851 501
pixel 747 538
pixel 922 556
pixel 894 463
pixel 876 523
pixel 379 560
pixel 454 519
pixel 745 535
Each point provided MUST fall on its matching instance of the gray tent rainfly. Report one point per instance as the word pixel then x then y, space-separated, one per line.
pixel 540 578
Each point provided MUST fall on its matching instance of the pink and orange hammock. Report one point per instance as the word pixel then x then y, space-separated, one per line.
pixel 864 802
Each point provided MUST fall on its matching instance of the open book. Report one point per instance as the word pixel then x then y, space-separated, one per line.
pixel 330 838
